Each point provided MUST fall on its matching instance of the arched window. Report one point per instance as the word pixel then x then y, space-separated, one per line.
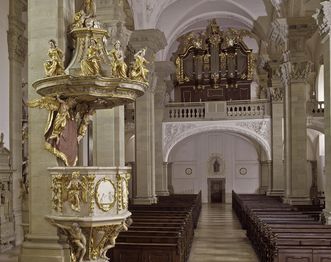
pixel 320 84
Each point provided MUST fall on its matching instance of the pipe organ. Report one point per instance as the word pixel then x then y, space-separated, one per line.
pixel 214 65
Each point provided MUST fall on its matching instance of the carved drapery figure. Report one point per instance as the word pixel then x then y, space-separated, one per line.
pixel 89 8
pixel 90 66
pixel 139 71
pixel 76 189
pixel 54 66
pixel 76 238
pixel 61 132
pixel 118 65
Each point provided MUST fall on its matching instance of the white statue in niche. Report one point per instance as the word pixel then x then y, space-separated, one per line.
pixel 216 165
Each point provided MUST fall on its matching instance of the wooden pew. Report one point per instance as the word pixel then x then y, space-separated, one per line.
pixel 161 232
pixel 283 233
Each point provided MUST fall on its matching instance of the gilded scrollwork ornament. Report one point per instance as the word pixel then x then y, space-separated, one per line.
pixel 123 190
pixel 54 66
pixel 57 193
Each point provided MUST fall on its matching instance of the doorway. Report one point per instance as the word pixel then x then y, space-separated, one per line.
pixel 216 190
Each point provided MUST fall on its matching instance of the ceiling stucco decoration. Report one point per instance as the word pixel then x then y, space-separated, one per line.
pixel 177 17
pixel 258 130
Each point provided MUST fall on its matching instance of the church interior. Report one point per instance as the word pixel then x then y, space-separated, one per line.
pixel 165 130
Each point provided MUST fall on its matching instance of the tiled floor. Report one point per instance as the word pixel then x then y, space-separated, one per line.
pixel 219 237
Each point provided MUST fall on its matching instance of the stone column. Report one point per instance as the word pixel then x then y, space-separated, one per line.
pixel 108 137
pixel 154 40
pixel 17 45
pixel 277 179
pixel 108 124
pixel 298 184
pixel 323 19
pixel 47 20
pixel 295 71
pixel 163 70
pixel 266 169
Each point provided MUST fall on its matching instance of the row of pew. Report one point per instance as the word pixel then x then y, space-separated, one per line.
pixel 159 233
pixel 280 232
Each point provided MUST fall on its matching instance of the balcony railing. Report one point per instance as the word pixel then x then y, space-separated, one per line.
pixel 315 108
pixel 217 110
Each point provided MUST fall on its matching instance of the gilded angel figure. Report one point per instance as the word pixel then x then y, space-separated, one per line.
pixel 90 66
pixel 118 65
pixel 54 66
pixel 139 71
pixel 61 127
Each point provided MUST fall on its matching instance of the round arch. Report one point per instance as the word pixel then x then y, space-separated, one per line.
pixel 170 142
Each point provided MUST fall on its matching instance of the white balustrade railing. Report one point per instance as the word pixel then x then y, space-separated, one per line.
pixel 249 109
pixel 246 109
pixel 315 108
pixel 185 111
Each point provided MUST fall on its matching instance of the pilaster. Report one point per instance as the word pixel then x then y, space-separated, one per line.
pixel 47 20
pixel 17 48
pixel 154 40
pixel 277 179
pixel 163 70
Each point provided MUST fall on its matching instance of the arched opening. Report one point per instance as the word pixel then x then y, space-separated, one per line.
pixel 320 84
pixel 216 161
pixel 316 164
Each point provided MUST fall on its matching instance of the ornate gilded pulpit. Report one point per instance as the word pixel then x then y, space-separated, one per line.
pixel 89 204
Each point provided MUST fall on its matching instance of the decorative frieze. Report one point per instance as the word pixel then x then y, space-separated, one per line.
pixel 257 129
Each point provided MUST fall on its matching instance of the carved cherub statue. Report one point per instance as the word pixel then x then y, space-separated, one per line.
pixel 54 66
pixel 77 240
pixel 118 65
pixel 139 71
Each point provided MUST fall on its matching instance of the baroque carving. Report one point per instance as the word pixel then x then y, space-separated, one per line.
pixel 139 71
pixel 260 127
pixel 323 18
pixel 75 190
pixel 67 123
pixel 55 65
pixel 258 130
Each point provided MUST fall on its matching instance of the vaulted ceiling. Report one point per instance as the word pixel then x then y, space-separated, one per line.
pixel 177 17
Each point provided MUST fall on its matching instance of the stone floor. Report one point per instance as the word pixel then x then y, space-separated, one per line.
pixel 219 237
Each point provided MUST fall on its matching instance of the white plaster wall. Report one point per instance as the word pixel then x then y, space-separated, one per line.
pixel 195 152
pixel 4 71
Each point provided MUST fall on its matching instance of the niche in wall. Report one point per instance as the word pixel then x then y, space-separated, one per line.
pixel 216 165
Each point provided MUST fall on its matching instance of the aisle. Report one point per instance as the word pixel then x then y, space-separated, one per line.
pixel 219 237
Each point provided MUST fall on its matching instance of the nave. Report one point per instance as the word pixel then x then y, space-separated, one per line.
pixel 219 237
